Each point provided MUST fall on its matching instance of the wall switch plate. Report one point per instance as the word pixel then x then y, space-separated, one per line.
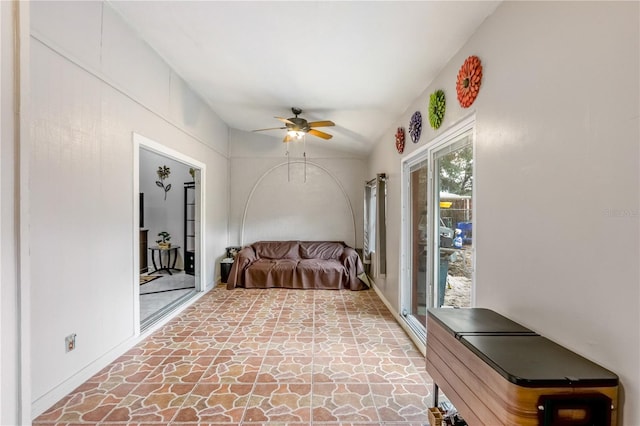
pixel 70 342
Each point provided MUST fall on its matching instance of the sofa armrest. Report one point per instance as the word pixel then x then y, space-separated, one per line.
pixel 246 254
pixel 347 253
pixel 245 257
pixel 353 264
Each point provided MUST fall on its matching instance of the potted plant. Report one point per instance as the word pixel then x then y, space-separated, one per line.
pixel 163 242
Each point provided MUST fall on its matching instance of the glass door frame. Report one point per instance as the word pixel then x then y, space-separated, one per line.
pixel 406 254
pixel 428 152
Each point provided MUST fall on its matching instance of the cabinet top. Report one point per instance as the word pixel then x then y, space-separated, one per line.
pixel 460 322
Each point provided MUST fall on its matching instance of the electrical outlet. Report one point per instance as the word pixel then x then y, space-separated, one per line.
pixel 70 342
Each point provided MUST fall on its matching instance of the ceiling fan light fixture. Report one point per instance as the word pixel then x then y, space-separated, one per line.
pixel 298 127
pixel 297 134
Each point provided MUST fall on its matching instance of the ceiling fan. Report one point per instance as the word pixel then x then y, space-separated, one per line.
pixel 297 127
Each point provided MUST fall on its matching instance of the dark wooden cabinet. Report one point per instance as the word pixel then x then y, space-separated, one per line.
pixel 189 228
pixel 189 262
pixel 144 267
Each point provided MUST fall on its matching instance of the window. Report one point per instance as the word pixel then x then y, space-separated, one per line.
pixel 375 202
pixel 370 221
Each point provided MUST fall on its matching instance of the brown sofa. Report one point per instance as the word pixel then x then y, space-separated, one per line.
pixel 298 264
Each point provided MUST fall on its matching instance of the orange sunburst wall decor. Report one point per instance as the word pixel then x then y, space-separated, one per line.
pixel 469 80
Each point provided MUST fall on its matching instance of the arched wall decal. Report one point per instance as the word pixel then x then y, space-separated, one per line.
pixel 288 164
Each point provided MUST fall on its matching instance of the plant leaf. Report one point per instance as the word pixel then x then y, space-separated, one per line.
pixel 160 184
pixel 168 187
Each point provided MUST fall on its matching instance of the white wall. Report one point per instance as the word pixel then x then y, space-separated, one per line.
pixel 93 84
pixel 328 206
pixel 557 176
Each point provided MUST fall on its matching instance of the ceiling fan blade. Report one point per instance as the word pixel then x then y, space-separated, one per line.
pixel 270 128
pixel 320 134
pixel 324 123
pixel 284 120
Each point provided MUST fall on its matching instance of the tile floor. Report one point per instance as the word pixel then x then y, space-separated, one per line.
pixel 262 357
pixel 163 294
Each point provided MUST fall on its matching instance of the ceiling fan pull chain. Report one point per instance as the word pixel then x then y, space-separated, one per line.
pixel 305 167
pixel 288 165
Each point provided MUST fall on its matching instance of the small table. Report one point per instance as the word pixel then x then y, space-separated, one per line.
pixel 164 267
pixel 225 269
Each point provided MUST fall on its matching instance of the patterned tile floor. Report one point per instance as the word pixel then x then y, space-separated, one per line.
pixel 262 357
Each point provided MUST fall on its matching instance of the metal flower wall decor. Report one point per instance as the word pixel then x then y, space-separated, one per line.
pixel 437 106
pixel 163 173
pixel 469 79
pixel 415 126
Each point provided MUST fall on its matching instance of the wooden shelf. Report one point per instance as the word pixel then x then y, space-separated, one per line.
pixel 189 253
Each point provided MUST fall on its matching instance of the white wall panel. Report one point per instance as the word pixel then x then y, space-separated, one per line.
pixel 188 108
pixel 78 249
pixel 83 276
pixel 299 202
pixel 133 66
pixel 557 175
pixel 71 26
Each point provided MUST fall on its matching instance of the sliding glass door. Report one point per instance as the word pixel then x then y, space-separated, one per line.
pixel 437 247
pixel 453 215
pixel 418 240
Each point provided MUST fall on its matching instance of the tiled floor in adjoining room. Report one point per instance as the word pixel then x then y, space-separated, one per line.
pixel 262 357
pixel 163 294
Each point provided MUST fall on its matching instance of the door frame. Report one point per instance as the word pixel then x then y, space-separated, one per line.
pixel 142 142
pixel 427 152
pixel 453 135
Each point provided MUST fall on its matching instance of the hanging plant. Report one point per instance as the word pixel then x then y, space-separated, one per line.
pixel 415 126
pixel 163 173
pixel 469 79
pixel 400 140
pixel 437 106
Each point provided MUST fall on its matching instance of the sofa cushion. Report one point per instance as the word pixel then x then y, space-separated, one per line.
pixel 267 273
pixel 324 250
pixel 321 274
pixel 276 249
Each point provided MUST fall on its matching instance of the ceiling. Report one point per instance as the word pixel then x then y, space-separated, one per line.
pixel 360 64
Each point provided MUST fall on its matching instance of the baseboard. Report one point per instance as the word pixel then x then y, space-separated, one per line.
pixel 47 400
pixel 400 320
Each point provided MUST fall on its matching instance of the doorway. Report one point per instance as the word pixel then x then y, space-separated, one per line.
pixel 168 227
pixel 437 223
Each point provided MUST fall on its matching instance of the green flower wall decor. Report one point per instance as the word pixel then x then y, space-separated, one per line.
pixel 437 106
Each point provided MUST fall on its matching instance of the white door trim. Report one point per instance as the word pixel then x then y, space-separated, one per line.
pixel 142 142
